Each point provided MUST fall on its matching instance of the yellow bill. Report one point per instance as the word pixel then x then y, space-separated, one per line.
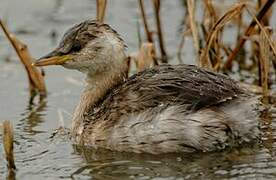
pixel 55 60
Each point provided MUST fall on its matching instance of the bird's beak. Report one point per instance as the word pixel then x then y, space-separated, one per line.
pixel 52 59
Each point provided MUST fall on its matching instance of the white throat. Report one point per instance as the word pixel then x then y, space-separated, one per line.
pixel 96 87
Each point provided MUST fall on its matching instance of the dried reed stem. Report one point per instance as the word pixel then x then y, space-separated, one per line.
pixel 8 144
pixel 248 32
pixel 234 11
pixel 271 43
pixel 183 35
pixel 139 34
pixel 268 14
pixel 264 61
pixel 180 47
pixel 145 57
pixel 101 7
pixel 181 44
pixel 211 17
pixel 146 27
pixel 36 81
pixel 156 5
pixel 240 23
pixel 191 16
pixel 148 33
pixel 211 12
pixel 266 36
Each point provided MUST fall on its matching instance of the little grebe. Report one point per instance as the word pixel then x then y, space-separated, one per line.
pixel 168 108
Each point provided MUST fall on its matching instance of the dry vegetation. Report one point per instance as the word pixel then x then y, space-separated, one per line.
pixel 36 81
pixel 207 33
pixel 8 144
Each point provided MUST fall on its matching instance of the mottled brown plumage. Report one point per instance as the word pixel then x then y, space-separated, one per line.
pixel 168 108
pixel 166 85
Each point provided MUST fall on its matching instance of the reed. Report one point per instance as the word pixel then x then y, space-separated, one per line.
pixel 184 33
pixel 192 23
pixel 214 54
pixel 144 58
pixel 101 7
pixel 156 5
pixel 266 44
pixel 270 41
pixel 264 61
pixel 181 45
pixel 8 144
pixel 248 31
pixel 212 35
pixel 145 22
pixel 209 19
pixel 36 80
pixel 209 13
pixel 139 36
pixel 148 32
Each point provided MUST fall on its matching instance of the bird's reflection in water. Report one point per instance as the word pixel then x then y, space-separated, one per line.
pixel 105 164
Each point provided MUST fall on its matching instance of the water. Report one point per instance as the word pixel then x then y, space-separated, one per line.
pixel 40 154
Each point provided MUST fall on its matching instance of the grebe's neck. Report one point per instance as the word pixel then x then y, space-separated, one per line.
pixel 96 87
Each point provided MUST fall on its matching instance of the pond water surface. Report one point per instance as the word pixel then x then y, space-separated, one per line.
pixel 41 155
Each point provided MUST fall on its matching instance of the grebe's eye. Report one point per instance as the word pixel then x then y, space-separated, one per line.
pixel 76 47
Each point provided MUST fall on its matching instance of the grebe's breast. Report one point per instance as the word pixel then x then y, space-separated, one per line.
pixel 170 108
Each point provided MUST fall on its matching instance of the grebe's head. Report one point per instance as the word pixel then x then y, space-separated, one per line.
pixel 90 47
